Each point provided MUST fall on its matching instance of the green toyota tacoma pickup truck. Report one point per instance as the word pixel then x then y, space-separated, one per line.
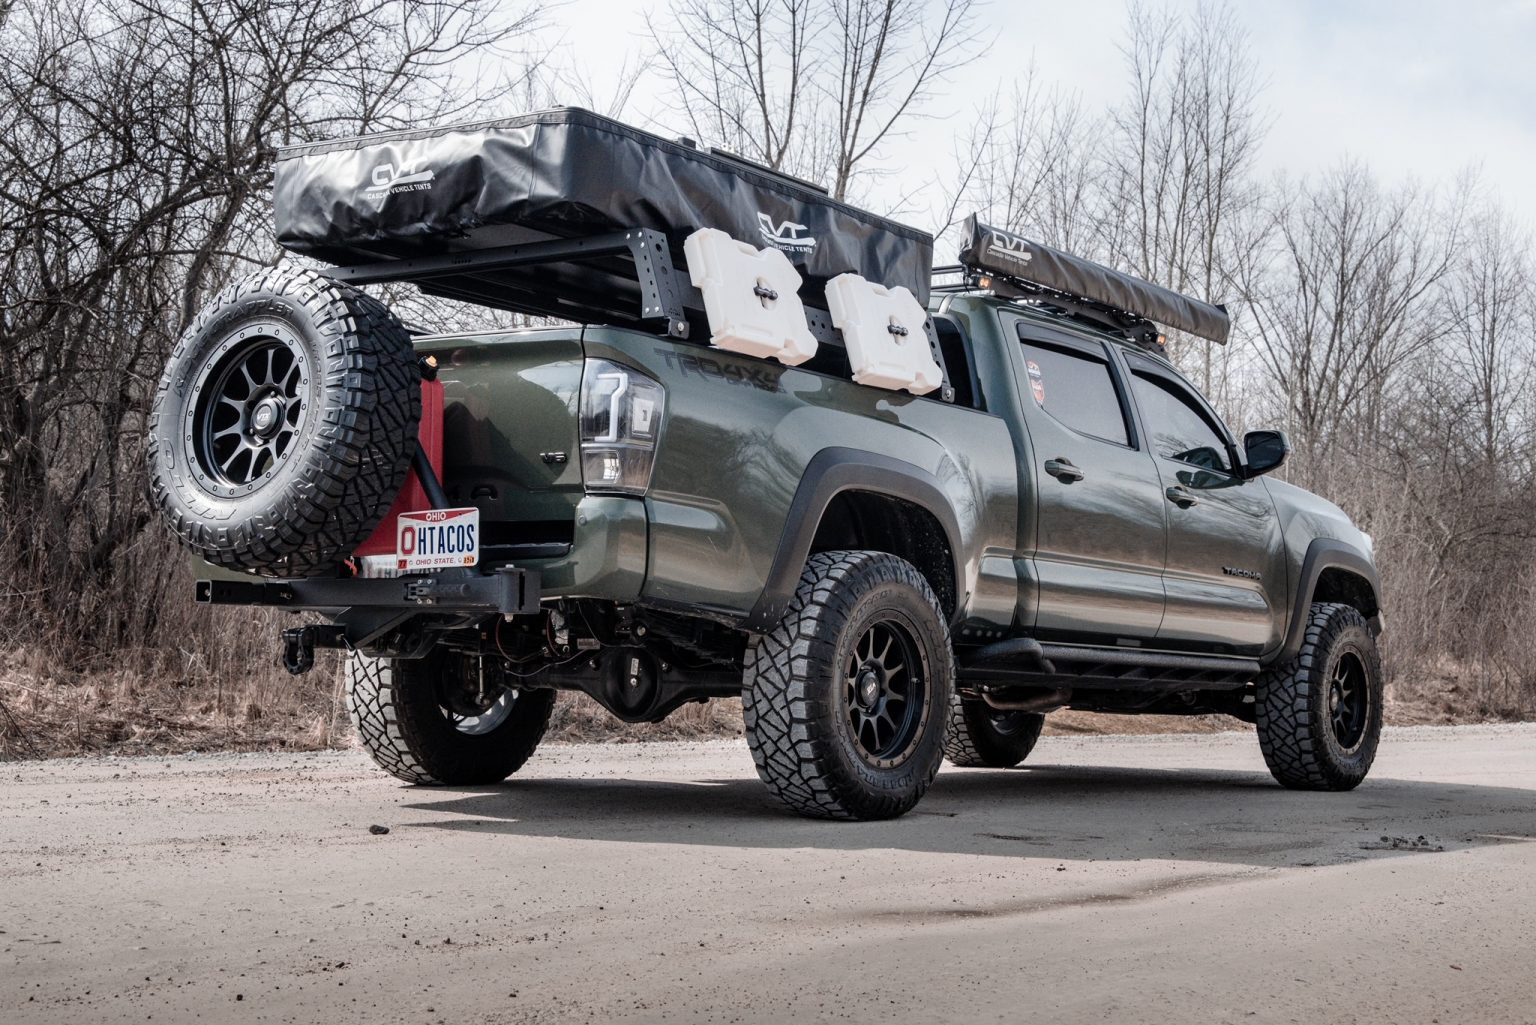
pixel 643 507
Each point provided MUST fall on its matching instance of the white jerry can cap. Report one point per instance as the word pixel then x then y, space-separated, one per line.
pixel 886 335
pixel 751 297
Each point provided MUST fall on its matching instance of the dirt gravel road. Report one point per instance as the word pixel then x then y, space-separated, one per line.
pixel 1135 879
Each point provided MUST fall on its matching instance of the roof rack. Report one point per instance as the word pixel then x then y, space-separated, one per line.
pixel 623 277
pixel 627 276
pixel 1016 268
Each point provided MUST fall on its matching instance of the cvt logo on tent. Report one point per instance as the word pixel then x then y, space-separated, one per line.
pixel 785 234
pixel 1010 247
pixel 389 179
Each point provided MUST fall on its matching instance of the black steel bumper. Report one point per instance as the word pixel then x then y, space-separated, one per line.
pixel 509 591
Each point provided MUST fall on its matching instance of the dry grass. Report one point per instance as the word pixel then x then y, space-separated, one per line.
pixel 578 719
pixel 1443 691
pixel 1072 723
pixel 128 711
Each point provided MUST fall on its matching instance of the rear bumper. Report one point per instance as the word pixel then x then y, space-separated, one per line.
pixel 607 561
pixel 509 591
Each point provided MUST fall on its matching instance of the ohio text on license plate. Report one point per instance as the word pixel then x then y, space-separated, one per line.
pixel 437 539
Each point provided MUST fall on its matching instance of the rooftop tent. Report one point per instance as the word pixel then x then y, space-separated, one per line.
pixel 432 195
pixel 1047 272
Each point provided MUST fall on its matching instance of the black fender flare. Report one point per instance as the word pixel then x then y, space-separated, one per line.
pixel 1324 554
pixel 829 473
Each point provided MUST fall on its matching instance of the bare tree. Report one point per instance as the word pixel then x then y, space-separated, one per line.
pixel 1343 297
pixel 1459 487
pixel 1161 185
pixel 1029 164
pixel 574 82
pixel 741 72
pixel 1180 154
pixel 136 147
pixel 1491 340
pixel 810 87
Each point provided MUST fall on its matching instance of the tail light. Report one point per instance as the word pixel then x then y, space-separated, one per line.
pixel 621 412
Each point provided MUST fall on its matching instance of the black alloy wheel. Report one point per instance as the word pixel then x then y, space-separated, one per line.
pixel 1349 701
pixel 251 406
pixel 886 691
pixel 1009 724
pixel 475 701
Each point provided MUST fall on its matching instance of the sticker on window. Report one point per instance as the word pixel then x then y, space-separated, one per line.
pixel 1036 380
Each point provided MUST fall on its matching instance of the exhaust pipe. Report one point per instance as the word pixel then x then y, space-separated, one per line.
pixel 1047 701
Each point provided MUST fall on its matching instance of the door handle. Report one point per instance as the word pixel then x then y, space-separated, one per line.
pixel 1063 470
pixel 1181 497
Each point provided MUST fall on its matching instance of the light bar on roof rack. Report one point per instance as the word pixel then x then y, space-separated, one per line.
pixel 989 250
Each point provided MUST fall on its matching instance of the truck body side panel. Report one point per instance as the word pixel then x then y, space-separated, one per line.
pixel 738 436
pixel 1008 572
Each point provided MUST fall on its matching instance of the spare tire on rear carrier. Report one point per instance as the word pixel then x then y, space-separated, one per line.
pixel 285 424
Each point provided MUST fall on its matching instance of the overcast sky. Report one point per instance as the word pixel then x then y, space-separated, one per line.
pixel 1411 87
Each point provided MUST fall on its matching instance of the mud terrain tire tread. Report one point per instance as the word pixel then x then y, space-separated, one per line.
pixel 1291 706
pixel 974 743
pixel 393 704
pixel 354 459
pixel 792 721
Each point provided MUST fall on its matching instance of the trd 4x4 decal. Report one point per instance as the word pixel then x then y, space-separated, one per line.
pixel 764 377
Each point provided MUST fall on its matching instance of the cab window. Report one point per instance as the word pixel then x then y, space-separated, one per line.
pixel 1077 389
pixel 1175 425
pixel 955 346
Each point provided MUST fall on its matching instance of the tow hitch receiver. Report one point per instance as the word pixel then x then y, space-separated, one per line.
pixel 300 642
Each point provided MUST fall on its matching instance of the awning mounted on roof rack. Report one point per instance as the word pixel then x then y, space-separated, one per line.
pixel 992 251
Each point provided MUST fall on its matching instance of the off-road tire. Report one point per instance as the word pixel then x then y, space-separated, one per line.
pixel 358 398
pixel 395 706
pixel 977 740
pixel 796 700
pixel 1292 707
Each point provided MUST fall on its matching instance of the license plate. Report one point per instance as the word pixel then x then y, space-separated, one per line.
pixel 437 539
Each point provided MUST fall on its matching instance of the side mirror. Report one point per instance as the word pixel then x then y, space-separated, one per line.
pixel 1264 451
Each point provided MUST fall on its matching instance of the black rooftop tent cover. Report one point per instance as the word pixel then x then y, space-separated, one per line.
pixel 566 173
pixel 994 251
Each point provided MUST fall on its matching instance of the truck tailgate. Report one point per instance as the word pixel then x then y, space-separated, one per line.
pixel 510 444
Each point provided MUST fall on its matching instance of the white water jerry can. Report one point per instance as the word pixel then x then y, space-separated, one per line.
pixel 886 335
pixel 751 297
